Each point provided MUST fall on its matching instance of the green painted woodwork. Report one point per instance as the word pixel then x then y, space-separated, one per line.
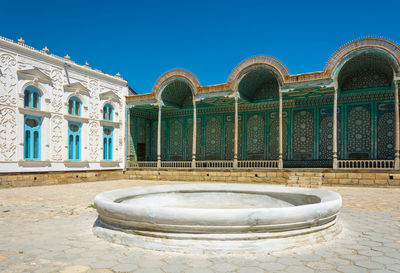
pixel 177 94
pixel 367 70
pixel 259 84
pixel 258 128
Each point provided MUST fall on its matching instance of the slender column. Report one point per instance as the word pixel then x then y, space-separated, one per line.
pixel 397 126
pixel 159 137
pixel 194 142
pixel 128 137
pixel 235 155
pixel 334 127
pixel 280 163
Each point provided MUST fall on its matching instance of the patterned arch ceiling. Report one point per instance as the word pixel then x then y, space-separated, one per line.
pixel 259 84
pixel 364 71
pixel 177 93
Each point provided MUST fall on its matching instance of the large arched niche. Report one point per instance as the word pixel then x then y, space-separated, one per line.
pixel 177 92
pixel 366 70
pixel 258 84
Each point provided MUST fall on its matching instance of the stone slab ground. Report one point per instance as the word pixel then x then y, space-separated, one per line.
pixel 49 229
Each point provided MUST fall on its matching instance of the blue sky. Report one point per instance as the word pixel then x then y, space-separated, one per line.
pixel 144 39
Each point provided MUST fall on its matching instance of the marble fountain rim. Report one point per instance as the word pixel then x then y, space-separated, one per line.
pixel 215 220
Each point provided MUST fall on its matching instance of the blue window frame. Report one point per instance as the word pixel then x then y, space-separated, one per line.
pixel 74 141
pixel 108 143
pixel 32 137
pixel 32 97
pixel 108 112
pixel 74 106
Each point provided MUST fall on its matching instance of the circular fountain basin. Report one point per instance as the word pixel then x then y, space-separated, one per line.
pixel 172 216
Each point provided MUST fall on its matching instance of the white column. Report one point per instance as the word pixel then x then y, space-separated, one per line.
pixel 128 137
pixel 397 128
pixel 235 156
pixel 334 127
pixel 159 137
pixel 194 135
pixel 280 163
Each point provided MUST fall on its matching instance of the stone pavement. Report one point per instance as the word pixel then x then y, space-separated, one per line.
pixel 49 229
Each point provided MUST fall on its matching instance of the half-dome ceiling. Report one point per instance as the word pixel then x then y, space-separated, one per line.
pixel 259 84
pixel 367 70
pixel 177 93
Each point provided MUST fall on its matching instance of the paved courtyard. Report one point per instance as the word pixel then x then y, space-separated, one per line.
pixel 49 229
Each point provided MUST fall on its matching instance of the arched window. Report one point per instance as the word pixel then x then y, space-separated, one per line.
pixel 108 112
pixel 74 106
pixel 32 138
pixel 107 143
pixel 74 141
pixel 32 97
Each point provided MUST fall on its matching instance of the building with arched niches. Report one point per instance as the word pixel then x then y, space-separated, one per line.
pixel 57 115
pixel 344 117
pixel 62 122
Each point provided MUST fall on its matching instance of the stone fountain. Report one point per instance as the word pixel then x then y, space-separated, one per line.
pixel 217 218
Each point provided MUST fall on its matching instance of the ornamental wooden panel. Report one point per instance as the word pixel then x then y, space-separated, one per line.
pixel 303 134
pixel 255 137
pixel 385 132
pixel 359 132
pixel 213 138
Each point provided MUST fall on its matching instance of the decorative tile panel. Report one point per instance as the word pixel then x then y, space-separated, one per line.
pixel 303 134
pixel 359 132
pixel 213 138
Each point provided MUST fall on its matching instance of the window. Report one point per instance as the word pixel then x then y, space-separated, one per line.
pixel 74 141
pixel 32 97
pixel 107 143
pixel 108 112
pixel 32 138
pixel 74 106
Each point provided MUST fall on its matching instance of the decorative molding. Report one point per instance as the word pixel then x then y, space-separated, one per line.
pixel 69 163
pixel 94 140
pixel 34 74
pixel 8 134
pixel 8 80
pixel 34 112
pixel 57 134
pixel 77 88
pixel 110 123
pixel 34 163
pixel 110 95
pixel 75 118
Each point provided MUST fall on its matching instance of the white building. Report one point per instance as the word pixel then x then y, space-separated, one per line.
pixel 57 115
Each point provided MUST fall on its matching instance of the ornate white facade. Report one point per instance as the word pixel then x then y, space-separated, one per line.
pixel 58 80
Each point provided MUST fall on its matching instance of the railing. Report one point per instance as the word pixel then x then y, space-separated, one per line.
pixel 228 164
pixel 256 164
pixel 146 164
pixel 176 164
pixel 365 164
pixel 214 164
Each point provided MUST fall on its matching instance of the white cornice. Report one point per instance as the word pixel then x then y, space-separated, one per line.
pixel 56 60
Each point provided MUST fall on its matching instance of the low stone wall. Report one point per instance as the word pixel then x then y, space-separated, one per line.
pixel 223 176
pixel 50 178
pixel 291 177
pixel 361 178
